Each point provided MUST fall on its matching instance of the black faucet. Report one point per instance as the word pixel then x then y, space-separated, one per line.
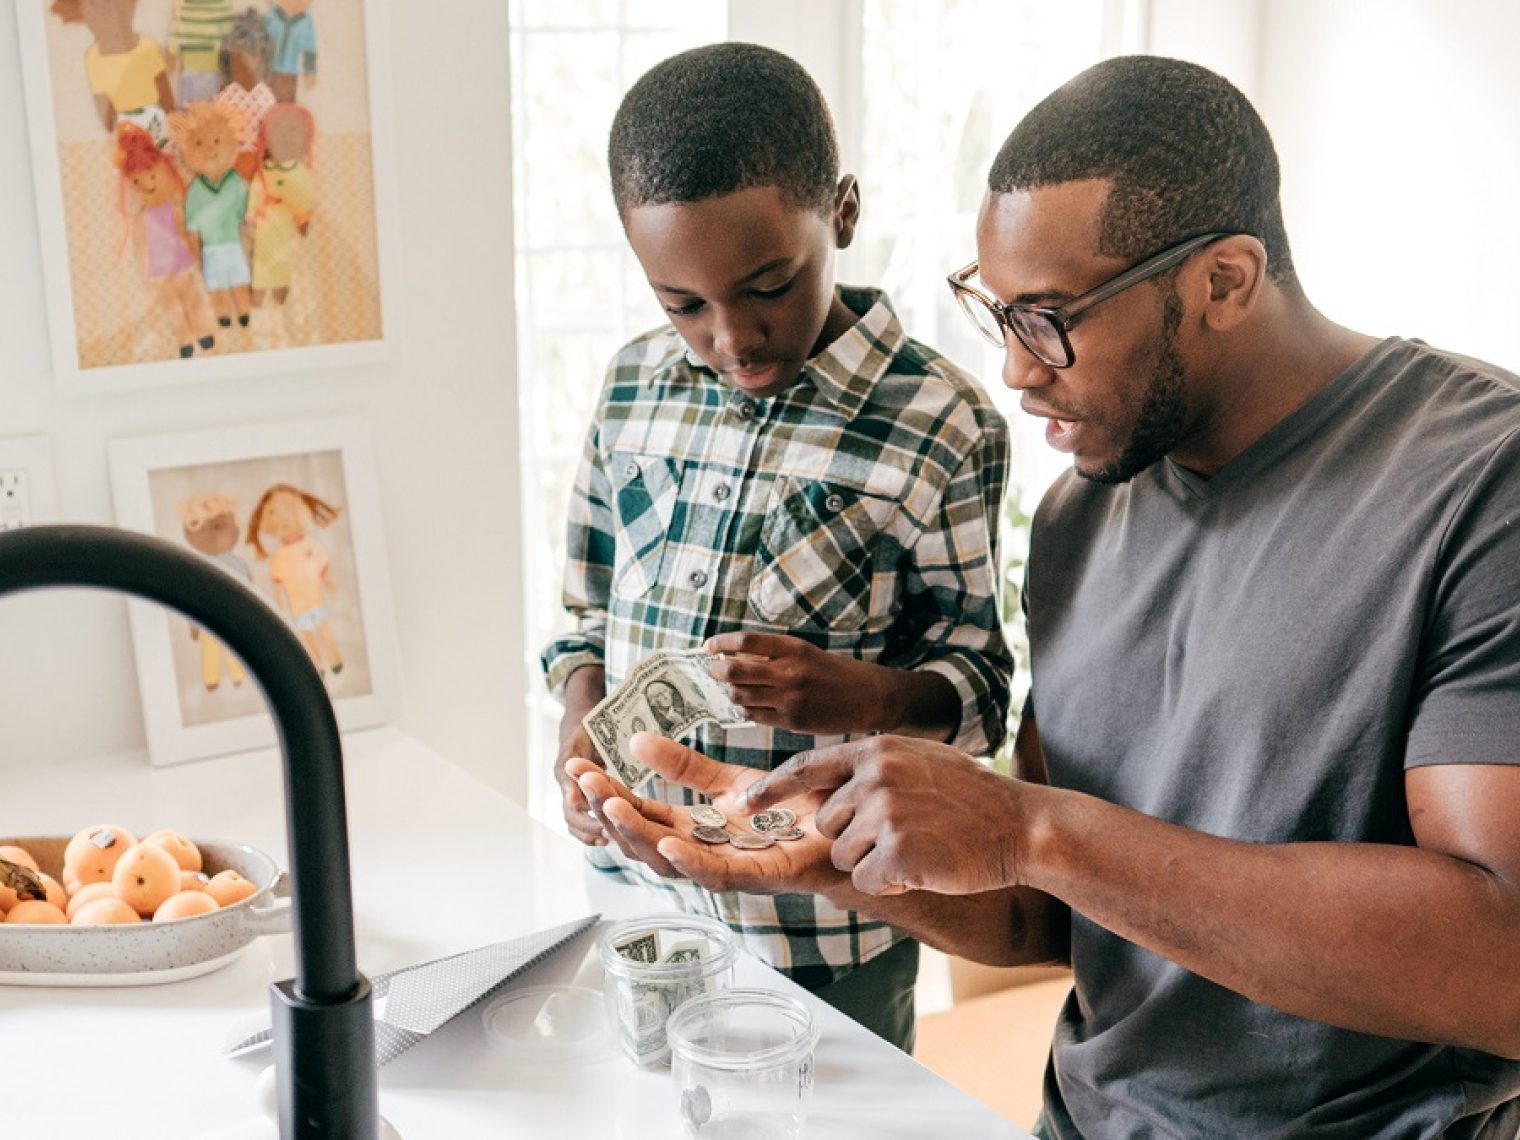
pixel 324 1030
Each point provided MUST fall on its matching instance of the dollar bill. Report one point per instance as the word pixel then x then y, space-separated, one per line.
pixel 643 946
pixel 670 692
pixel 645 1005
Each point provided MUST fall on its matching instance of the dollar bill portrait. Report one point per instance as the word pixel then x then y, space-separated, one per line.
pixel 668 706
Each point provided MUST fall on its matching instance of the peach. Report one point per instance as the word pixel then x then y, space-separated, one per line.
pixel 144 877
pixel 91 855
pixel 105 912
pixel 37 912
pixel 193 880
pixel 89 894
pixel 55 893
pixel 186 904
pixel 185 853
pixel 228 887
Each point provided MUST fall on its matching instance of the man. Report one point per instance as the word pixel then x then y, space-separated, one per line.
pixel 1270 762
pixel 668 706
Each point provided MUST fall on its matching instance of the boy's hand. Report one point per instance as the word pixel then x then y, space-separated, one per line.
pixel 577 748
pixel 583 690
pixel 785 682
pixel 660 834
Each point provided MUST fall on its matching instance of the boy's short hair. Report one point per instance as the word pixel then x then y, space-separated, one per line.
pixel 722 118
pixel 1185 150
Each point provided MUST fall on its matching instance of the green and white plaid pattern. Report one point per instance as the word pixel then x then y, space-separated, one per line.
pixel 858 510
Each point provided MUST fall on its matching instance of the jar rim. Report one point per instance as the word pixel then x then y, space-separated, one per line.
pixel 699 1007
pixel 715 931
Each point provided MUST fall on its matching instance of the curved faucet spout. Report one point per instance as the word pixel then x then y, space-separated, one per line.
pixel 325 1082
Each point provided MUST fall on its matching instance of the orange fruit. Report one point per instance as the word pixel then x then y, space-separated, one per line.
pixel 20 855
pixel 36 912
pixel 186 904
pixel 89 894
pixel 185 853
pixel 228 887
pixel 55 893
pixel 144 877
pixel 105 912
pixel 91 855
pixel 193 880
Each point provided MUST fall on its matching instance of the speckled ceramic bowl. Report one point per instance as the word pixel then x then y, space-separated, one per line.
pixel 149 952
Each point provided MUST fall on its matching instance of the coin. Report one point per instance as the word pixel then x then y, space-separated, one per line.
pixel 785 834
pixel 785 817
pixel 708 815
pixel 709 834
pixel 749 841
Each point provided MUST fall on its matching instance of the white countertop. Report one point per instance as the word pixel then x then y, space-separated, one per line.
pixel 441 863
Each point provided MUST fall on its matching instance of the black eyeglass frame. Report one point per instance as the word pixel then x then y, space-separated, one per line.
pixel 1063 317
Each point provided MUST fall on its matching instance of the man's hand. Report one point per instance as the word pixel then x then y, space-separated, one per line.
pixel 660 834
pixel 785 682
pixel 583 690
pixel 909 814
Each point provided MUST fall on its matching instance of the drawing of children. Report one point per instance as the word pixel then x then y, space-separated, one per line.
pixel 211 527
pixel 299 568
pixel 295 46
pixel 283 196
pixel 151 180
pixel 126 71
pixel 216 203
pixel 196 31
pixel 244 60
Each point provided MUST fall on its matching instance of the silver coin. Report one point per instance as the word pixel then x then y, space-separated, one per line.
pixel 786 834
pixel 785 817
pixel 709 834
pixel 749 841
pixel 708 815
pixel 763 821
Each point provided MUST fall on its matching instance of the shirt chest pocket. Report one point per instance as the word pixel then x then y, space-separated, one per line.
pixel 818 555
pixel 646 490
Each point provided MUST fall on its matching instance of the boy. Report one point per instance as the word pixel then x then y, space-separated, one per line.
pixel 782 475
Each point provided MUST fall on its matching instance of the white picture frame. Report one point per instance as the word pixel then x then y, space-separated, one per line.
pixel 165 485
pixel 53 96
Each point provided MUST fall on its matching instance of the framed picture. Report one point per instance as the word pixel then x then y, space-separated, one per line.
pixel 213 184
pixel 292 510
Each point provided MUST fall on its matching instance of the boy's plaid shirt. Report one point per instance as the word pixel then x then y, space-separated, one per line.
pixel 858 510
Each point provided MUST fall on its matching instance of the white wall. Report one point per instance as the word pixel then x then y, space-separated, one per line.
pixel 443 416
pixel 1395 122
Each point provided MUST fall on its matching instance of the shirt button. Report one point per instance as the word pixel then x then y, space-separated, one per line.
pixel 749 410
pixel 834 503
pixel 698 579
pixel 632 470
pixel 722 491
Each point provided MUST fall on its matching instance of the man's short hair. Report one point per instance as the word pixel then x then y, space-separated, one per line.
pixel 1185 150
pixel 723 118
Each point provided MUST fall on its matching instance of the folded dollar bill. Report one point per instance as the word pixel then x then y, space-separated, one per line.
pixel 669 693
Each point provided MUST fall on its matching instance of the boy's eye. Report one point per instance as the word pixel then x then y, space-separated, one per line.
pixel 772 294
pixel 686 310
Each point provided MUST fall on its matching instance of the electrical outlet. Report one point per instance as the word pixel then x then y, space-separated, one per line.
pixel 26 481
pixel 15 499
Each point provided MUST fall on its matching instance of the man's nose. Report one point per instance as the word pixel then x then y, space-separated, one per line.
pixel 1022 369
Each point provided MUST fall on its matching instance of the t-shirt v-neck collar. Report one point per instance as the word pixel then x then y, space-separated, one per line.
pixel 1281 439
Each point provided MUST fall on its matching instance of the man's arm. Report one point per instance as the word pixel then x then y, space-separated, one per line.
pixel 1420 943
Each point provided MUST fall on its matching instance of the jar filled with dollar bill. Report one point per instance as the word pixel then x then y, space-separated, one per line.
pixel 650 966
pixel 742 1061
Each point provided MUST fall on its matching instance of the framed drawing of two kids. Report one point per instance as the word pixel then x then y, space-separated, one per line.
pixel 292 511
pixel 213 188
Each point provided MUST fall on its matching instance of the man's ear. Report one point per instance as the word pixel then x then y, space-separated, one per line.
pixel 846 211
pixel 1237 270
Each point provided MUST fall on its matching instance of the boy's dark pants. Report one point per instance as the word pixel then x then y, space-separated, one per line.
pixel 879 994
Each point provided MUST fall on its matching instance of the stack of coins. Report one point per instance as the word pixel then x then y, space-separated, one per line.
pixel 766 828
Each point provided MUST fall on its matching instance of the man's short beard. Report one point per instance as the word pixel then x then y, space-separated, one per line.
pixel 1163 411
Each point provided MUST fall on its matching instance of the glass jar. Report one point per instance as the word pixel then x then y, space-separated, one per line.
pixel 652 965
pixel 742 1061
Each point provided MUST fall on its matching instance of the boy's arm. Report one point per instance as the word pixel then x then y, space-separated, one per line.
pixel 953 594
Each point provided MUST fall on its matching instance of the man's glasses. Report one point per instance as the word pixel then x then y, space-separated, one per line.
pixel 1042 330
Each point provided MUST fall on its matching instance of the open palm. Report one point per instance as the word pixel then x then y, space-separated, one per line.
pixel 660 834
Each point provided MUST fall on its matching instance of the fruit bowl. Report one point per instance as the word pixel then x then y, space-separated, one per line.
pixel 145 953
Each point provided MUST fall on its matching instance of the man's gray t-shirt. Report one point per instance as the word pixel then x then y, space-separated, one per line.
pixel 1260 656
